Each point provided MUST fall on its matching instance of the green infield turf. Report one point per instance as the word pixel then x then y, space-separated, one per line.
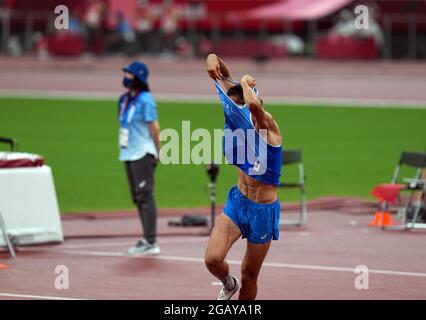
pixel 346 150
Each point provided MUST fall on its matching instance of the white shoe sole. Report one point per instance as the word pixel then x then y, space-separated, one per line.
pixel 151 252
pixel 135 253
pixel 233 292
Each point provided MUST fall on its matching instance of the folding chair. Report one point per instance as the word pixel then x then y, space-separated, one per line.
pixel 12 142
pixel 291 157
pixel 6 237
pixel 413 185
pixel 3 230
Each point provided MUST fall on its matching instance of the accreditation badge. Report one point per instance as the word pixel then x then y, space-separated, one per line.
pixel 123 139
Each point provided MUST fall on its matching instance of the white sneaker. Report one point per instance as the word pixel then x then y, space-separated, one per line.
pixel 138 248
pixel 227 295
pixel 151 249
pixel 144 248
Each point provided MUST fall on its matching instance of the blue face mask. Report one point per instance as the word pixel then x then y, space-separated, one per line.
pixel 127 82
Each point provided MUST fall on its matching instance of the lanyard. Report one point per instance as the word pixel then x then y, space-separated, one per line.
pixel 125 105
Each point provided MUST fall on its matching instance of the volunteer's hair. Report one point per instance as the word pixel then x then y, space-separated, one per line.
pixel 140 85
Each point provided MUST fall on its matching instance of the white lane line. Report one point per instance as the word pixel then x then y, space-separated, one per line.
pixel 30 296
pixel 88 253
pixel 237 262
pixel 128 243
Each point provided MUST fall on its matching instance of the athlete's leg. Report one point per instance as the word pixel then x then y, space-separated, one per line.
pixel 250 268
pixel 223 236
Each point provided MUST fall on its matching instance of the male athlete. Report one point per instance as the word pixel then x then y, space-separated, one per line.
pixel 252 209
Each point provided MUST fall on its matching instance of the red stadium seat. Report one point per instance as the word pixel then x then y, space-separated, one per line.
pixel 249 48
pixel 66 44
pixel 342 47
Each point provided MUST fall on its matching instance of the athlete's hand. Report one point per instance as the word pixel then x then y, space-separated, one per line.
pixel 213 67
pixel 251 81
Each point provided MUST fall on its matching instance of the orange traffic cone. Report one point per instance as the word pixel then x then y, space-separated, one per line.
pixel 381 219
pixel 376 220
pixel 387 219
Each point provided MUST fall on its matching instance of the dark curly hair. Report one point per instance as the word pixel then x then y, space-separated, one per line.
pixel 236 90
pixel 140 85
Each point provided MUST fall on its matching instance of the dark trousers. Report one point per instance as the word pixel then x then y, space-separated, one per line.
pixel 140 174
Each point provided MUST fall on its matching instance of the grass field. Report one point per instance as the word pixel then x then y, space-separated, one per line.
pixel 346 150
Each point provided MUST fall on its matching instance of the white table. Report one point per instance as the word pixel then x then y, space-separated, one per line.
pixel 29 206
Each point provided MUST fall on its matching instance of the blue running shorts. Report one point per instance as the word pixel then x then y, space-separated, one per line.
pixel 258 222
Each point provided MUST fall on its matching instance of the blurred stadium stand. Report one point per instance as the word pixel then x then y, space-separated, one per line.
pixel 188 28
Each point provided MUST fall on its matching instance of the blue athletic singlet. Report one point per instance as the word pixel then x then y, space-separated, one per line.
pixel 244 147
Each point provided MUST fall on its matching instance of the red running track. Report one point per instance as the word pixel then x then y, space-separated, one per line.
pixel 316 262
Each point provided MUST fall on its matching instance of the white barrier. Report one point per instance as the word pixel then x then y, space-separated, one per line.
pixel 29 206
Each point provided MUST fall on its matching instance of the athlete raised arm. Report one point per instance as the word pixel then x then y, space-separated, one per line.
pixel 252 208
pixel 218 70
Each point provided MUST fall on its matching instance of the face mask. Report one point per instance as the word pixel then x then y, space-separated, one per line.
pixel 127 82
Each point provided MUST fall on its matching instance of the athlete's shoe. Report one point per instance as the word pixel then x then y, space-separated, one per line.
pixel 144 248
pixel 151 249
pixel 138 248
pixel 227 295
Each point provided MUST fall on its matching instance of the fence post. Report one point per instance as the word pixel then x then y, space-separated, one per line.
pixel 239 32
pixel 312 35
pixel 29 28
pixel 215 30
pixel 5 28
pixel 262 30
pixel 412 29
pixel 387 22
